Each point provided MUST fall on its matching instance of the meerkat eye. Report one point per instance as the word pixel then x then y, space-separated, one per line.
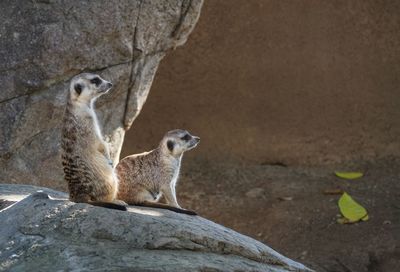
pixel 78 88
pixel 186 138
pixel 96 81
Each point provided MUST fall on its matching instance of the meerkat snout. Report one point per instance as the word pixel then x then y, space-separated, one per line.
pixel 105 86
pixel 195 141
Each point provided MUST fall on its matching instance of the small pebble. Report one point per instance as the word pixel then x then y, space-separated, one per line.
pixel 255 193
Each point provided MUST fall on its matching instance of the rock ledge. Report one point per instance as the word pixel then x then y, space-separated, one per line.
pixel 43 231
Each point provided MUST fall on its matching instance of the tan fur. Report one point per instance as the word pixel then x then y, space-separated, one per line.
pixel 85 155
pixel 146 177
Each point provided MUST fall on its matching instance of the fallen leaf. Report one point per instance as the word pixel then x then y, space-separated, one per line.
pixel 333 191
pixel 351 210
pixel 343 220
pixel 348 175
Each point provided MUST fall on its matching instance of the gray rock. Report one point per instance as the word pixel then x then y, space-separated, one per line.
pixel 43 43
pixel 43 232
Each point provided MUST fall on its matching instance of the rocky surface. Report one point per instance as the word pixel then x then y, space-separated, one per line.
pixel 45 43
pixel 45 232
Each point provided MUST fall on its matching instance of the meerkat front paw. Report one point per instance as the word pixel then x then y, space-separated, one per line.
pixel 105 152
pixel 101 148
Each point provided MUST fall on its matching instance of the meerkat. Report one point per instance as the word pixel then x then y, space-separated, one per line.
pixel 86 161
pixel 145 177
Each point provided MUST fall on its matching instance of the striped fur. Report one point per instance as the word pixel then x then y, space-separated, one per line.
pixel 85 155
pixel 146 177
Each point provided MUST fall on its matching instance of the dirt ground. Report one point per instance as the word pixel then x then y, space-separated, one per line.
pixel 286 208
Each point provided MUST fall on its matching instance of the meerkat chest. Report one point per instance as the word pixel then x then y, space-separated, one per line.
pixel 165 172
pixel 89 125
pixel 175 169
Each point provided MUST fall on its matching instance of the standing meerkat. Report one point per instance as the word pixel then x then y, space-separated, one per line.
pixel 145 177
pixel 86 159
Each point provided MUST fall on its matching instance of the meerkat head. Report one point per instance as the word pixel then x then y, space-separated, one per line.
pixel 87 87
pixel 177 141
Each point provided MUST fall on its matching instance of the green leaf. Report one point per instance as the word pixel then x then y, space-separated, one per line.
pixel 365 218
pixel 348 175
pixel 351 210
pixel 343 220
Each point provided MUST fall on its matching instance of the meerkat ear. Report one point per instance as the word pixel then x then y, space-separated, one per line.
pixel 170 145
pixel 78 88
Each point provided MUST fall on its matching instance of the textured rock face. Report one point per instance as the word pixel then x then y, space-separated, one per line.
pixel 45 43
pixel 40 233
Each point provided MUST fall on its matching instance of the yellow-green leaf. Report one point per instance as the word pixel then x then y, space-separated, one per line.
pixel 343 220
pixel 348 175
pixel 351 210
pixel 365 218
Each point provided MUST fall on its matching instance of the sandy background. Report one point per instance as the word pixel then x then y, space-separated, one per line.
pixel 293 82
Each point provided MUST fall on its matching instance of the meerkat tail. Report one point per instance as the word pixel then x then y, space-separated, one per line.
pixel 166 207
pixel 108 205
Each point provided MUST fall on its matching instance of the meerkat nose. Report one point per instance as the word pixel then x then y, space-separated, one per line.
pixel 109 85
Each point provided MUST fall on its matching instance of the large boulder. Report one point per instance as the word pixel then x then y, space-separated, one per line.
pixel 43 43
pixel 45 232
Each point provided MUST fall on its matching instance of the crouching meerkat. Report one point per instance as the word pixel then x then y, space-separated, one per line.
pixel 86 160
pixel 145 177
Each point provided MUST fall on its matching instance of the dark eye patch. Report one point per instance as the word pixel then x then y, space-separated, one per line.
pixel 186 138
pixel 78 88
pixel 170 145
pixel 96 81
